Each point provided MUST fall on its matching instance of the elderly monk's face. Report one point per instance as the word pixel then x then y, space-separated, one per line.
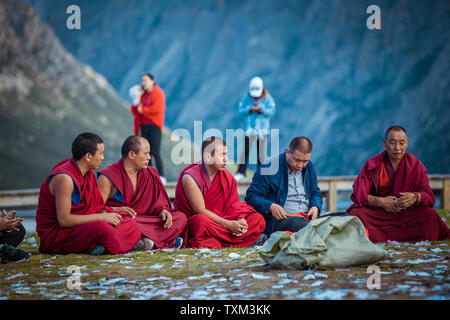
pixel 96 159
pixel 396 143
pixel 297 161
pixel 219 160
pixel 147 83
pixel 142 158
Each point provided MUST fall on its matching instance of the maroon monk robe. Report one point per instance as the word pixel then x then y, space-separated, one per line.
pixel 414 224
pixel 86 199
pixel 148 201
pixel 221 197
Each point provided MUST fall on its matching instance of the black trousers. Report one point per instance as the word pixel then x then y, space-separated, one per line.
pixel 153 134
pixel 243 166
pixel 13 237
pixel 294 224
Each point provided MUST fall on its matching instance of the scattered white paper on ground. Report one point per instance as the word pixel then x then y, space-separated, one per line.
pixel 260 276
pixel 20 274
pixel 321 275
pixel 157 279
pixel 330 294
pixel 316 283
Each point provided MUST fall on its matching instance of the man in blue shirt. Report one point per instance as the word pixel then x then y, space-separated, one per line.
pixel 290 195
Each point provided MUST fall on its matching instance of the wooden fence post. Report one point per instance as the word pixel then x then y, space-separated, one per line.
pixel 332 197
pixel 445 194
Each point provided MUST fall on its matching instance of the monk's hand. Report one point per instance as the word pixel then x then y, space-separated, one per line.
pixel 139 108
pixel 126 210
pixel 313 213
pixel 278 211
pixel 236 227
pixel 167 217
pixel 406 200
pixel 243 222
pixel 390 204
pixel 111 217
pixel 244 228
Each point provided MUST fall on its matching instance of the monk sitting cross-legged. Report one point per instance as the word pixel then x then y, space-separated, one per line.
pixel 132 186
pixel 71 216
pixel 207 193
pixel 392 196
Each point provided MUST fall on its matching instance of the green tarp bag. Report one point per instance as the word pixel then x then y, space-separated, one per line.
pixel 327 242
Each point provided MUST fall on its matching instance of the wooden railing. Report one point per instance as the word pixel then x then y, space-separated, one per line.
pixel 440 184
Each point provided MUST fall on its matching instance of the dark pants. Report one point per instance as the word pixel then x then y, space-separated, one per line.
pixel 153 134
pixel 243 166
pixel 13 237
pixel 294 224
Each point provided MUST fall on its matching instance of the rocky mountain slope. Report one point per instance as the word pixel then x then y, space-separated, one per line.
pixel 333 79
pixel 47 97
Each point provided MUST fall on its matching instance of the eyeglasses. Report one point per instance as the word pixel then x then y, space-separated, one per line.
pixel 255 88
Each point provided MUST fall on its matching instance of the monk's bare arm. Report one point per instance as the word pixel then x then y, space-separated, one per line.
pixel 373 201
pixel 107 189
pixel 195 198
pixel 61 187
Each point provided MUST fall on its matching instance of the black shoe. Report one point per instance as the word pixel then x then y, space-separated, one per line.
pixel 10 253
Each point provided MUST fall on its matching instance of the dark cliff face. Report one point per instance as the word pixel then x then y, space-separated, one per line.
pixel 333 80
pixel 46 99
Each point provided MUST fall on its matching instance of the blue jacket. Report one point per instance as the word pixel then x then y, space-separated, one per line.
pixel 267 189
pixel 256 123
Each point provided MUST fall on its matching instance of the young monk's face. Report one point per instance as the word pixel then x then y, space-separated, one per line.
pixel 297 161
pixel 218 158
pixel 396 143
pixel 142 158
pixel 96 159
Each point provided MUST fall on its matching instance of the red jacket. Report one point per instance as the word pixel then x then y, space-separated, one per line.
pixel 153 108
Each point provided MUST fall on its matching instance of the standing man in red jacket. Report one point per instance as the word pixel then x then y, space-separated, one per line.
pixel 149 118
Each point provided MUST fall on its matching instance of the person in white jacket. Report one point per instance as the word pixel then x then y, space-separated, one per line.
pixel 258 107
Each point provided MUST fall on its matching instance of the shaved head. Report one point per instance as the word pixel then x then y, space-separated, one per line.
pixel 301 144
pixel 394 128
pixel 132 143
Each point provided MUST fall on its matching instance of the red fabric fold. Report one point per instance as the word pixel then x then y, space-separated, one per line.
pixel 148 201
pixel 85 237
pixel 221 197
